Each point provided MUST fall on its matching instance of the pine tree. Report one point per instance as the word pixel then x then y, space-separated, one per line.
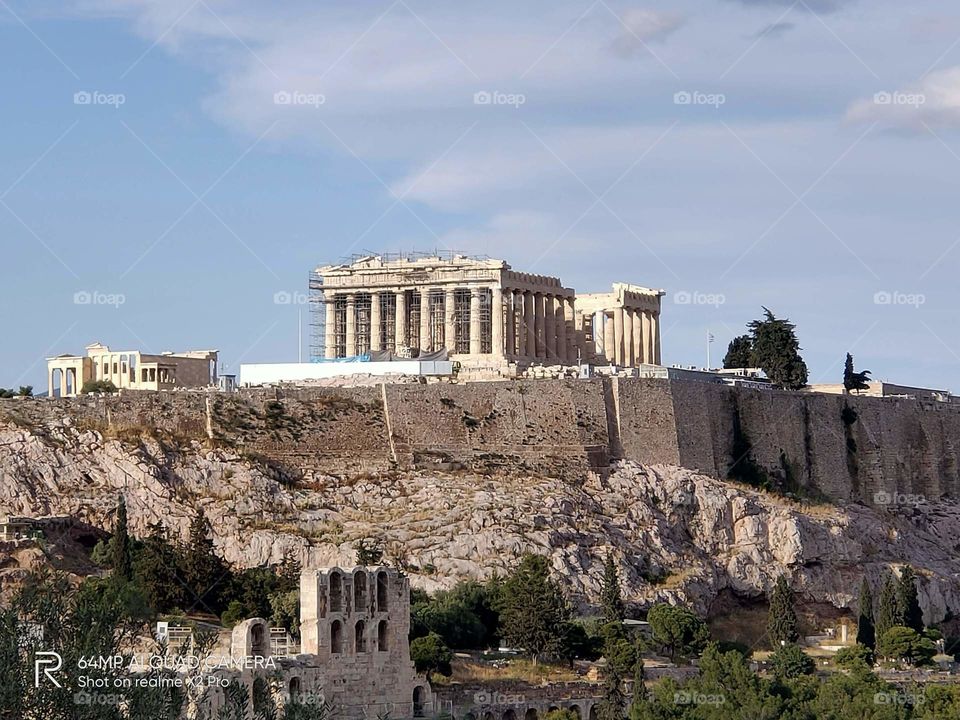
pixel 848 373
pixel 908 603
pixel 639 702
pixel 611 706
pixel 156 564
pixel 534 614
pixel 782 618
pixel 120 544
pixel 866 631
pixel 854 380
pixel 739 353
pixel 611 599
pixel 205 574
pixel 888 612
pixel 777 351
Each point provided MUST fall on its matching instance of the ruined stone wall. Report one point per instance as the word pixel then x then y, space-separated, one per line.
pixel 561 428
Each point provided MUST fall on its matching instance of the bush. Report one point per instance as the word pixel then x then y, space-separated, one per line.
pixel 853 657
pixel 430 654
pixel 906 644
pixel 789 661
pixel 98 386
pixel 677 630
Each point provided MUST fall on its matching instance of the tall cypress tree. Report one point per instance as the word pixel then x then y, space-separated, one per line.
pixel 610 597
pixel 612 705
pixel 908 603
pixel 639 704
pixel 782 618
pixel 120 544
pixel 866 631
pixel 888 614
pixel 206 575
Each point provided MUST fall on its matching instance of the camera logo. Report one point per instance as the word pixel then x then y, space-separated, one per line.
pixel 95 297
pixel 284 297
pixel 295 97
pixel 95 97
pixel 695 97
pixel 495 97
pixel 895 297
pixel 687 297
pixel 51 662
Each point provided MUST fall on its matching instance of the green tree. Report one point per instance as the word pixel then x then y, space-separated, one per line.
pixel 431 655
pixel 888 611
pixel 854 657
pixel 854 380
pixel 677 630
pixel 903 643
pixel 907 601
pixel 776 351
pixel 155 566
pixel 610 598
pixel 121 559
pixel 206 576
pixel 533 611
pixel 782 617
pixel 98 386
pixel 639 698
pixel 789 661
pixel 739 353
pixel 369 553
pixel 611 706
pixel 866 631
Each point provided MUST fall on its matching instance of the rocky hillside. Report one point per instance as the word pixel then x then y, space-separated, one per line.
pixel 677 534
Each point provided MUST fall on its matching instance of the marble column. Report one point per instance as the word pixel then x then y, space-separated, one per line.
pixel 618 336
pixel 375 322
pixel 425 342
pixel 449 315
pixel 647 337
pixel 529 325
pixel 599 329
pixel 400 321
pixel 330 329
pixel 496 321
pixel 609 339
pixel 560 324
pixel 655 331
pixel 510 330
pixel 549 329
pixel 351 344
pixel 574 350
pixel 540 348
pixel 628 358
pixel 474 321
pixel 638 336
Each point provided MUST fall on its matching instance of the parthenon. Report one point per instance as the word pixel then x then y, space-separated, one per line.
pixel 479 310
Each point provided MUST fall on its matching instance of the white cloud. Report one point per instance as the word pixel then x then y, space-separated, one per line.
pixel 933 101
pixel 641 26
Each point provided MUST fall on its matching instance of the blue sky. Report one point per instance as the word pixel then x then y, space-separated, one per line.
pixel 180 162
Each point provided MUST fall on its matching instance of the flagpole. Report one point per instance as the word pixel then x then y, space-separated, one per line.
pixel 708 349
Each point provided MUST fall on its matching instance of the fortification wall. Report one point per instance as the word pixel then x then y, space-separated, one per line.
pixel 565 428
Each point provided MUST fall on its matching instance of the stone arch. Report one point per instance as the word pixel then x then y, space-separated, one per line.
pixel 419 701
pixel 575 709
pixel 530 714
pixel 293 687
pixel 383 642
pixel 552 708
pixel 336 592
pixel 359 591
pixel 57 384
pixel 488 715
pixel 593 712
pixel 259 639
pixel 469 716
pixel 250 638
pixel 336 637
pixel 360 637
pixel 383 586
pixel 509 714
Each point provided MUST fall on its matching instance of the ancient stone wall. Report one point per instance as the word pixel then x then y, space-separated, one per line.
pixel 876 448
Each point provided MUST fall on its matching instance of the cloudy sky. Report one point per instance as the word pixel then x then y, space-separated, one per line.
pixel 170 169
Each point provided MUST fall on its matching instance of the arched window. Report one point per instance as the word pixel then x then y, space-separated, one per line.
pixel 336 637
pixel 509 715
pixel 359 591
pixel 575 709
pixel 383 585
pixel 294 687
pixel 531 714
pixel 336 592
pixel 360 637
pixel 382 643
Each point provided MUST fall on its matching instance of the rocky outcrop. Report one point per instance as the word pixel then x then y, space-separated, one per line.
pixel 677 534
